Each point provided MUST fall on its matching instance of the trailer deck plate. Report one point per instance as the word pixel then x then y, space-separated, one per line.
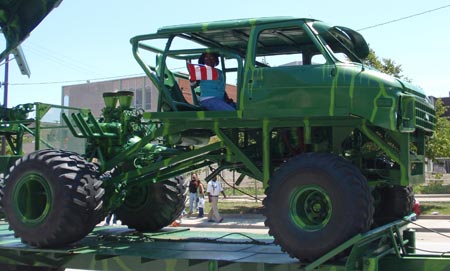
pixel 106 247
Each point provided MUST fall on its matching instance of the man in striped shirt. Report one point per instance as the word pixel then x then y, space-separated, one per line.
pixel 212 83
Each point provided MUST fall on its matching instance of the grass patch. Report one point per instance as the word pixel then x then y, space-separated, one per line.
pixel 428 208
pixel 244 191
pixel 235 207
pixel 244 207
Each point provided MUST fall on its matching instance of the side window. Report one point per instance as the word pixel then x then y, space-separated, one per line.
pixel 232 77
pixel 318 59
pixel 286 46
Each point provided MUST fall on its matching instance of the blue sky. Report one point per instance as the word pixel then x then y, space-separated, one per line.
pixel 89 39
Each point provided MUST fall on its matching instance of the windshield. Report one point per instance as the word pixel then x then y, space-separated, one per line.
pixel 343 43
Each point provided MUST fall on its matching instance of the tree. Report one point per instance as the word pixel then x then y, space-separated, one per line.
pixel 439 144
pixel 385 65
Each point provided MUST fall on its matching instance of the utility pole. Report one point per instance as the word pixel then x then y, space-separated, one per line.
pixel 5 83
pixel 5 98
pixel 24 69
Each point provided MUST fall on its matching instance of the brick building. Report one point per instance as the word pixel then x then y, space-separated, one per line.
pixel 89 95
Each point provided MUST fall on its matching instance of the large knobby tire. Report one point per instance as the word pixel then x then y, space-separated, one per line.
pixel 392 203
pixel 154 206
pixel 52 198
pixel 315 202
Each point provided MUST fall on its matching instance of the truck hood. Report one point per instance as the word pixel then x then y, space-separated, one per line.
pixel 19 17
pixel 408 87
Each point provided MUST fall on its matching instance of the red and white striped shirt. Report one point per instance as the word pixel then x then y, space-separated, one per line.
pixel 202 72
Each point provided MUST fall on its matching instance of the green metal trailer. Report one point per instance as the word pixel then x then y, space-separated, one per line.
pixel 390 247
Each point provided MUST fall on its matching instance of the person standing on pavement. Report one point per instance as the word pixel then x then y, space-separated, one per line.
pixel 201 206
pixel 193 185
pixel 200 199
pixel 213 190
pixel 108 219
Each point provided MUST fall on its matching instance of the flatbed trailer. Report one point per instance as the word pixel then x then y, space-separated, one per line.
pixel 390 247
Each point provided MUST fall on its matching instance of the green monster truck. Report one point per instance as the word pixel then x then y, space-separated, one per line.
pixel 335 143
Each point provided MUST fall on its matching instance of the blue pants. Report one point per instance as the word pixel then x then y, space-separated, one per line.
pixel 216 104
pixel 192 202
pixel 200 211
pixel 108 218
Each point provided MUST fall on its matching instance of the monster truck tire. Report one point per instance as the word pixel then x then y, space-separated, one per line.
pixel 153 206
pixel 52 198
pixel 315 202
pixel 393 202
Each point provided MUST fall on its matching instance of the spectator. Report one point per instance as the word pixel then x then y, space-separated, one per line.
pixel 108 219
pixel 193 185
pixel 213 190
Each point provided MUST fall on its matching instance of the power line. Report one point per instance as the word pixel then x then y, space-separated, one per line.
pixel 72 65
pixel 59 58
pixel 403 18
pixel 82 80
pixel 62 61
pixel 9 61
pixel 78 81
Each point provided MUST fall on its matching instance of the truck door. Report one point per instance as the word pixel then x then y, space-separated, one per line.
pixel 288 75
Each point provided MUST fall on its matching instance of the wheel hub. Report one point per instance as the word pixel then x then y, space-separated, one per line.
pixel 32 198
pixel 310 207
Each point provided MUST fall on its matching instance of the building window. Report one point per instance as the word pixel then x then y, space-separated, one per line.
pixel 148 98
pixel 138 97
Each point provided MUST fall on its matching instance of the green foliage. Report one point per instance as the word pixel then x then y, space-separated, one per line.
pixel 433 187
pixel 26 139
pixel 438 175
pixel 8 149
pixel 439 144
pixel 385 65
